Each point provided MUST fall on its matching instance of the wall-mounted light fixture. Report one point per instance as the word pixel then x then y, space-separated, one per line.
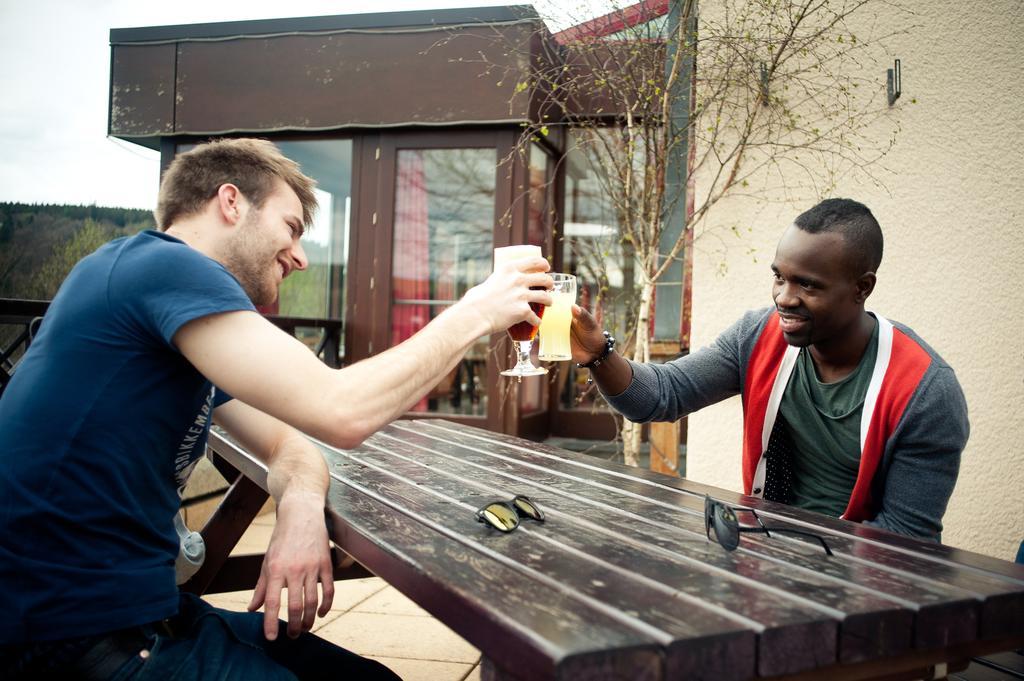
pixel 893 82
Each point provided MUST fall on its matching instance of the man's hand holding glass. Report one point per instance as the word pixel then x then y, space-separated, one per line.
pixel 512 294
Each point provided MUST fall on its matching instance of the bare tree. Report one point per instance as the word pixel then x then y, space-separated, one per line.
pixel 755 97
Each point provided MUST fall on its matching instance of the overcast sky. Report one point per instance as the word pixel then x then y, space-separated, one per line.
pixel 55 70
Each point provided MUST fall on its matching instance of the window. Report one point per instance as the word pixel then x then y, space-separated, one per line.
pixel 319 292
pixel 533 393
pixel 605 268
pixel 443 240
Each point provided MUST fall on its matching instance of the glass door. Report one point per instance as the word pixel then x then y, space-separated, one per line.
pixel 533 393
pixel 433 205
pixel 605 271
pixel 442 239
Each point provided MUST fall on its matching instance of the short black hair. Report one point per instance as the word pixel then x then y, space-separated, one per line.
pixel 854 222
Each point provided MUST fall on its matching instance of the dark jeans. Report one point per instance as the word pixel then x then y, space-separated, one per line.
pixel 200 642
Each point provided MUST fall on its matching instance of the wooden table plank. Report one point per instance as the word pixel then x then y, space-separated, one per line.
pixel 525 624
pixel 959 558
pixel 997 587
pixel 683 558
pixel 715 645
pixel 944 616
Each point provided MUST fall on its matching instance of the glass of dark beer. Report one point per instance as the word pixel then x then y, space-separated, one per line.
pixel 523 333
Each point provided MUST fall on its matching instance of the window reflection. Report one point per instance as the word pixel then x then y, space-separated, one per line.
pixel 443 227
pixel 319 292
pixel 592 250
pixel 533 394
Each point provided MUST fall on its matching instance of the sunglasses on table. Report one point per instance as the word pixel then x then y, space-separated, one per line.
pixel 505 515
pixel 722 519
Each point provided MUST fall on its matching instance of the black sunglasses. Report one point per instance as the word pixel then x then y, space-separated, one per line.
pixel 505 515
pixel 722 519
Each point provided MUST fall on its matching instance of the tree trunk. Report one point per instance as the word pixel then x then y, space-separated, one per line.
pixel 641 353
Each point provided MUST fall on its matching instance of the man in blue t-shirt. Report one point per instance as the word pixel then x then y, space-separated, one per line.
pixel 150 339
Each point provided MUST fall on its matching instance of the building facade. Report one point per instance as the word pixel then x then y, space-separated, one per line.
pixel 410 122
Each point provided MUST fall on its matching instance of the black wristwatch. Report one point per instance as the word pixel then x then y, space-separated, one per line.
pixel 609 346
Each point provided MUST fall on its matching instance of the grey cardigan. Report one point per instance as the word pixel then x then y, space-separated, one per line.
pixel 918 454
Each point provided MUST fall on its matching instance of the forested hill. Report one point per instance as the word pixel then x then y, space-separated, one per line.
pixel 39 244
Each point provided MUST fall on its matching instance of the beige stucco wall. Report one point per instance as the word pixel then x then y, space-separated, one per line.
pixel 953 216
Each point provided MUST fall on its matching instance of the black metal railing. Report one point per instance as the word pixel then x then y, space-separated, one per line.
pixel 327 347
pixel 19 323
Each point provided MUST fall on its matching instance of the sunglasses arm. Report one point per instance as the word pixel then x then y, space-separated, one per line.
pixel 816 537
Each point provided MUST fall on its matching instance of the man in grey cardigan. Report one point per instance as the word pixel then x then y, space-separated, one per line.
pixel 844 412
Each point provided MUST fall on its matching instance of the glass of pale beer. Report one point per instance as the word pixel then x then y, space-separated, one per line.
pixel 523 333
pixel 554 325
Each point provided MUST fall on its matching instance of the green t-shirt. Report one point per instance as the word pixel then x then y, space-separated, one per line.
pixel 824 427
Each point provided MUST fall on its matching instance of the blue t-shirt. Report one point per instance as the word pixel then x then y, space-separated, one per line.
pixel 99 428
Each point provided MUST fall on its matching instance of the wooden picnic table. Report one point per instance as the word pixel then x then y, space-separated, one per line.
pixel 621 582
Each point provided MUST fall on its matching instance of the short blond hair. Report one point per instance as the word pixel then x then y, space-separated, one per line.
pixel 252 165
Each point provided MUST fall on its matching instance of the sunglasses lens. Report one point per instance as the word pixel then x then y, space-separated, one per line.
pixel 500 516
pixel 727 528
pixel 528 508
pixel 709 514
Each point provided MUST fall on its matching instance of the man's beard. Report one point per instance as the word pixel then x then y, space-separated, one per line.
pixel 245 260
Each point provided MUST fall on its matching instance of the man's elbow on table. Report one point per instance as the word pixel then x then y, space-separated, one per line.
pixel 352 408
pixel 349 433
pixel 343 425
